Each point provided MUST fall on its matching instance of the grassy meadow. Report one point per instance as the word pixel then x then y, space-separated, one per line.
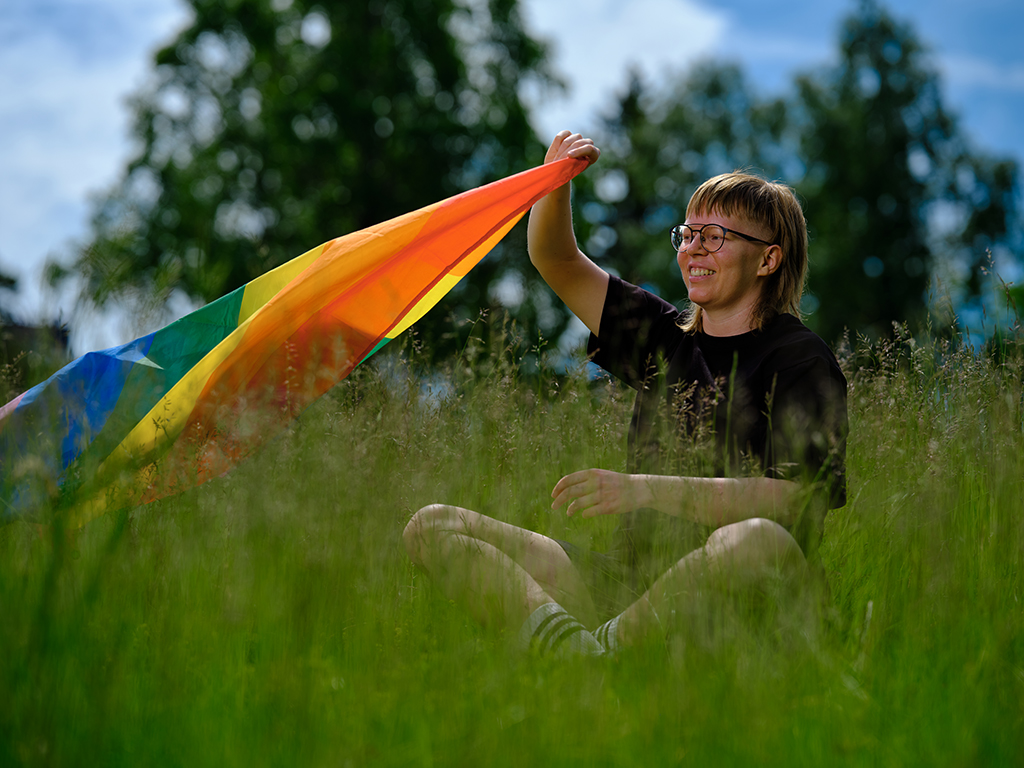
pixel 271 617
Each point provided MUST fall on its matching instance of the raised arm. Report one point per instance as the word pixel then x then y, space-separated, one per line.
pixel 578 281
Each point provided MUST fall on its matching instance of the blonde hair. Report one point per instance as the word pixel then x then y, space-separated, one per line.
pixel 773 208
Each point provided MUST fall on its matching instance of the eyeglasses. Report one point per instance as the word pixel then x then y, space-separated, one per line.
pixel 712 236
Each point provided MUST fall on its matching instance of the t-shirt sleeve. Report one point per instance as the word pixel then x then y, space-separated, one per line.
pixel 635 327
pixel 809 426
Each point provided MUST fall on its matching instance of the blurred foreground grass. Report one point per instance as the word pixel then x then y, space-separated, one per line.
pixel 270 617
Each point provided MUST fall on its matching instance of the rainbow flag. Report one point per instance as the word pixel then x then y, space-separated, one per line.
pixel 174 408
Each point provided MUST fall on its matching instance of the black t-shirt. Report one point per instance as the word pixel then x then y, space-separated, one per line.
pixel 769 402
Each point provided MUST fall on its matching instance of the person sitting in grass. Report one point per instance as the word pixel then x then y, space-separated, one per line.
pixel 738 368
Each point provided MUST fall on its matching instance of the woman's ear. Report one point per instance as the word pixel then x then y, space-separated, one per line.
pixel 771 260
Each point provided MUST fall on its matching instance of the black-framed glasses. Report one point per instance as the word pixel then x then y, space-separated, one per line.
pixel 712 236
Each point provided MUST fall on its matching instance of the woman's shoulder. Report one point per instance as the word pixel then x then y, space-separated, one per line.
pixel 791 343
pixel 641 297
pixel 640 315
pixel 788 330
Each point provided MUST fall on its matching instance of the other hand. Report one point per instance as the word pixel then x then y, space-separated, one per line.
pixel 592 492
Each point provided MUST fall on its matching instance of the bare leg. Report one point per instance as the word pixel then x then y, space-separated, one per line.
pixel 736 557
pixel 500 572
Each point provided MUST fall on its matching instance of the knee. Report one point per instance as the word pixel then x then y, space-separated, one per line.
pixel 756 529
pixel 419 528
pixel 757 542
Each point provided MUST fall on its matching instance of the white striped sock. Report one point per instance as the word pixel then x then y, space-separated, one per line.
pixel 608 635
pixel 552 630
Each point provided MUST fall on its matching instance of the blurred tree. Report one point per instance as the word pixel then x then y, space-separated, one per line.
pixel 893 193
pixel 271 126
pixel 8 284
pixel 28 353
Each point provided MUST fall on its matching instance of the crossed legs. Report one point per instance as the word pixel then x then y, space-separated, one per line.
pixel 499 572
pixel 502 573
pixel 738 558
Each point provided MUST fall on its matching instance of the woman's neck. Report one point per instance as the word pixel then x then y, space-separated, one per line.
pixel 727 324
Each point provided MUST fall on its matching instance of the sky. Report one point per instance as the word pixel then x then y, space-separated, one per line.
pixel 67 68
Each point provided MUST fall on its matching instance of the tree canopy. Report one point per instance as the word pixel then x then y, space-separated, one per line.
pixel 893 193
pixel 273 125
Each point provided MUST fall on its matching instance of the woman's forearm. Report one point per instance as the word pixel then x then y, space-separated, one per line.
pixel 713 501
pixel 550 239
pixel 718 501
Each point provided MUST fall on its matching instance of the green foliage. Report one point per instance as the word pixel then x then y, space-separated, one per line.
pixel 28 355
pixel 271 126
pixel 895 198
pixel 271 616
pixel 893 192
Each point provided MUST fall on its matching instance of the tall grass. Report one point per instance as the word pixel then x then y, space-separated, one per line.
pixel 270 617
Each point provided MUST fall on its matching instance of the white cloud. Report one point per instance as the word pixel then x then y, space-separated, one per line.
pixel 595 45
pixel 966 71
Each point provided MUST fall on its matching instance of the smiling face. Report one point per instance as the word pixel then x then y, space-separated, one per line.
pixel 745 284
pixel 726 284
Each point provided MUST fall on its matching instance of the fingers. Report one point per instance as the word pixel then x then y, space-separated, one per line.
pixel 574 145
pixel 584 506
pixel 570 487
pixel 589 492
pixel 560 146
pixel 580 500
